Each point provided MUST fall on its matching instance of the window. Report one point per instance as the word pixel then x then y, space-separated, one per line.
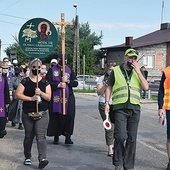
pixel 149 61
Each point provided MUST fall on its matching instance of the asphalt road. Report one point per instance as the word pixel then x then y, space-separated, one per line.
pixel 89 151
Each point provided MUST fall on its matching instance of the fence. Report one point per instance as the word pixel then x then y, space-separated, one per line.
pixel 153 89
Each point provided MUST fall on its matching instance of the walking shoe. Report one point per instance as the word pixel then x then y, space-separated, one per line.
pixel 3 133
pixel 20 127
pixel 117 167
pixel 68 140
pixel 168 166
pixel 27 162
pixel 13 124
pixel 56 140
pixel 43 163
pixel 128 169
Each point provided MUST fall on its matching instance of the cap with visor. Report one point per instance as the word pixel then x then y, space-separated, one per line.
pixel 131 53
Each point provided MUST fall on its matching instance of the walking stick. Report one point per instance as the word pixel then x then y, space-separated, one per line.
pixel 37 87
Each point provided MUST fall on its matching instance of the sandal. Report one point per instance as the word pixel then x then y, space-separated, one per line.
pixel 110 151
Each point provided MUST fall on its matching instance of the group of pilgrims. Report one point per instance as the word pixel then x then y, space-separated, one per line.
pixel 11 108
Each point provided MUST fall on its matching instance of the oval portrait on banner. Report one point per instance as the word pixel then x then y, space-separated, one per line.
pixel 38 37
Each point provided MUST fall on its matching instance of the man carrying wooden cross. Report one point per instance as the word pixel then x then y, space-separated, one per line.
pixel 61 124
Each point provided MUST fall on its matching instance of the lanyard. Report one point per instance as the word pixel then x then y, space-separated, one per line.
pixel 127 77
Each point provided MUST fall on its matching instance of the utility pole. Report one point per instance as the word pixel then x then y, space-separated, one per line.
pixel 63 25
pixel 76 55
pixel 162 11
pixel 77 49
pixel 84 71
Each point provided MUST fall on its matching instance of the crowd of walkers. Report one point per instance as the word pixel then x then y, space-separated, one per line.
pixel 41 101
pixel 32 99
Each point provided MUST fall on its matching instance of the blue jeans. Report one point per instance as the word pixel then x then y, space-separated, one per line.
pixel 36 128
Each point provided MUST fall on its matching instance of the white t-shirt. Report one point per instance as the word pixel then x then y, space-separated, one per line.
pixel 102 96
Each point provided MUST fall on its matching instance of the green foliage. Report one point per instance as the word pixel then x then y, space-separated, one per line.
pixel 85 90
pixel 87 41
pixel 21 56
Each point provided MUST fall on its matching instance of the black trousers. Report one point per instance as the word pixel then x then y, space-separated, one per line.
pixel 2 123
pixel 126 127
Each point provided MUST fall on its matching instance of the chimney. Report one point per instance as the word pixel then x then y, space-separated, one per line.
pixel 165 26
pixel 128 41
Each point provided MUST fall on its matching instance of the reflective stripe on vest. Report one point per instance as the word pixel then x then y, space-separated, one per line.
pixel 166 104
pixel 120 89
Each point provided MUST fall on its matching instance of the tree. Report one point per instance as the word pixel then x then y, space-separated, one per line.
pixel 21 56
pixel 87 41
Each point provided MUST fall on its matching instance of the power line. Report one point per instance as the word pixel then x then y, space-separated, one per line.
pixel 10 5
pixel 13 16
pixel 9 22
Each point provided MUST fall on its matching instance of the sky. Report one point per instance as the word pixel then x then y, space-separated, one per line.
pixel 117 19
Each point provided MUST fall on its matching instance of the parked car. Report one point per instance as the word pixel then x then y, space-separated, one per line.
pixel 86 81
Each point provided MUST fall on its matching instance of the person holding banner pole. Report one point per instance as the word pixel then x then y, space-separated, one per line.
pixel 61 123
pixel 36 94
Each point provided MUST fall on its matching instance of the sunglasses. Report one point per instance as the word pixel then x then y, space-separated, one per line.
pixel 133 52
pixel 36 67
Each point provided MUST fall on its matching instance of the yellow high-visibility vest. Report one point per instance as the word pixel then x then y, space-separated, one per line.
pixel 121 91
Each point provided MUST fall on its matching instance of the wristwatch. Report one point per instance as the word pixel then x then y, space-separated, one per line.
pixel 106 103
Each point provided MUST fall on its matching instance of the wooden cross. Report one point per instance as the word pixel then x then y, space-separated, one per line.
pixel 63 37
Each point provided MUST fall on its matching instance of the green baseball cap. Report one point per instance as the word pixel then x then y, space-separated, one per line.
pixel 131 53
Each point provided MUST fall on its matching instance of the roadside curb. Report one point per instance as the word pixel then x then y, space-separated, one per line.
pixel 142 101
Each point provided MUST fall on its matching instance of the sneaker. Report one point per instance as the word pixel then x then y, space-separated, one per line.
pixel 27 162
pixel 43 163
pixel 168 166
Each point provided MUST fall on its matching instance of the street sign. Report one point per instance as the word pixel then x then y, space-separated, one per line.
pixel 38 37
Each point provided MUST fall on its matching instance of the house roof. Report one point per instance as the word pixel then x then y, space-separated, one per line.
pixel 156 37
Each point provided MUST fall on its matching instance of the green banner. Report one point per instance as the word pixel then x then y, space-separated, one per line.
pixel 38 38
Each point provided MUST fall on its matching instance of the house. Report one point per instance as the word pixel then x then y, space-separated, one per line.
pixel 153 48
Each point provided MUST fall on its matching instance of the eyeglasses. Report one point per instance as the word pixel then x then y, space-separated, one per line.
pixel 6 61
pixel 36 67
